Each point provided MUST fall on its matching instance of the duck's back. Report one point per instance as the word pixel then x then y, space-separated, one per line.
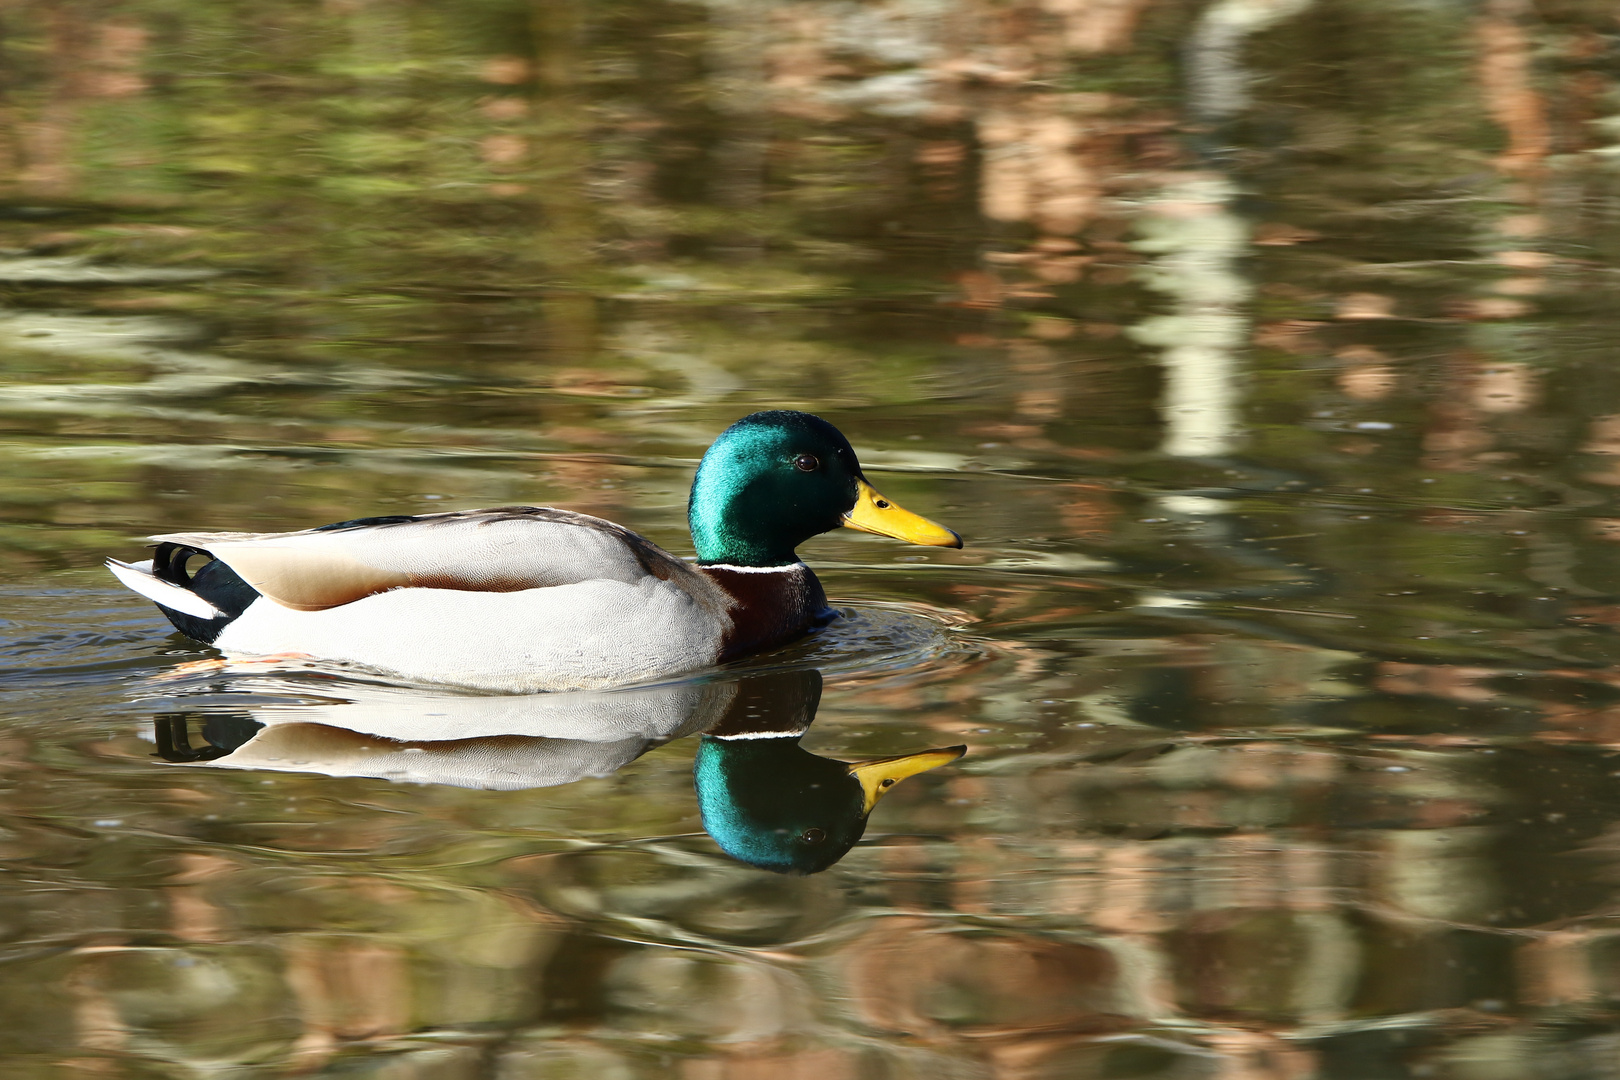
pixel 506 549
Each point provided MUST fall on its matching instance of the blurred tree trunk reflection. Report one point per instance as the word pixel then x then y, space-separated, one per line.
pixel 561 149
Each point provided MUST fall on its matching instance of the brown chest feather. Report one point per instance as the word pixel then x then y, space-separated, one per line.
pixel 769 608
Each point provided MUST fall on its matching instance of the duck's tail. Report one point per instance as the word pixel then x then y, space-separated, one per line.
pixel 140 578
pixel 199 604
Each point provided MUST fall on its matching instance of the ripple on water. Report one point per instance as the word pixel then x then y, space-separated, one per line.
pixel 71 653
pixel 868 641
pixel 73 658
pixel 878 640
pixel 672 891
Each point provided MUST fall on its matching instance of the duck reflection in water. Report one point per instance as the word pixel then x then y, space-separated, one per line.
pixel 770 802
pixel 765 799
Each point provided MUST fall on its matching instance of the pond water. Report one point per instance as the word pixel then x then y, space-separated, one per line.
pixel 1263 351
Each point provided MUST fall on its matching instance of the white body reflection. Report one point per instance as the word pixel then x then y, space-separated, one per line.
pixel 504 742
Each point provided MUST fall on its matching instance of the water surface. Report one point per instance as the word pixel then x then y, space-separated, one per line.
pixel 1262 352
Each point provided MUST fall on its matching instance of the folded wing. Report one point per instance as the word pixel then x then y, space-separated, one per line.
pixel 507 549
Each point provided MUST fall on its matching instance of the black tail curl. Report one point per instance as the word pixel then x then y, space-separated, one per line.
pixel 213 581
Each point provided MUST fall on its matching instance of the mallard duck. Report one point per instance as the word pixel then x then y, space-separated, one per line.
pixel 771 803
pixel 527 598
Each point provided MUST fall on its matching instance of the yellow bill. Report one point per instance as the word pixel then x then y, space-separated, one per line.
pixel 874 514
pixel 878 775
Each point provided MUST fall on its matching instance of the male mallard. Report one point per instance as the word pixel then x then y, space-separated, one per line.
pixel 525 598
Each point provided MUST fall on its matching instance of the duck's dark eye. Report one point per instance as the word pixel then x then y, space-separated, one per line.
pixel 888 781
pixel 806 463
pixel 812 836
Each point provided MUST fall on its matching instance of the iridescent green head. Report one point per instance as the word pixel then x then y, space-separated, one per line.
pixel 773 480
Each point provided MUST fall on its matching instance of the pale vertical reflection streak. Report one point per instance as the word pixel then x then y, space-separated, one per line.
pixel 1198 241
pixel 1217 82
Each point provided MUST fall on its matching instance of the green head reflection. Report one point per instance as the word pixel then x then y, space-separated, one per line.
pixel 771 803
